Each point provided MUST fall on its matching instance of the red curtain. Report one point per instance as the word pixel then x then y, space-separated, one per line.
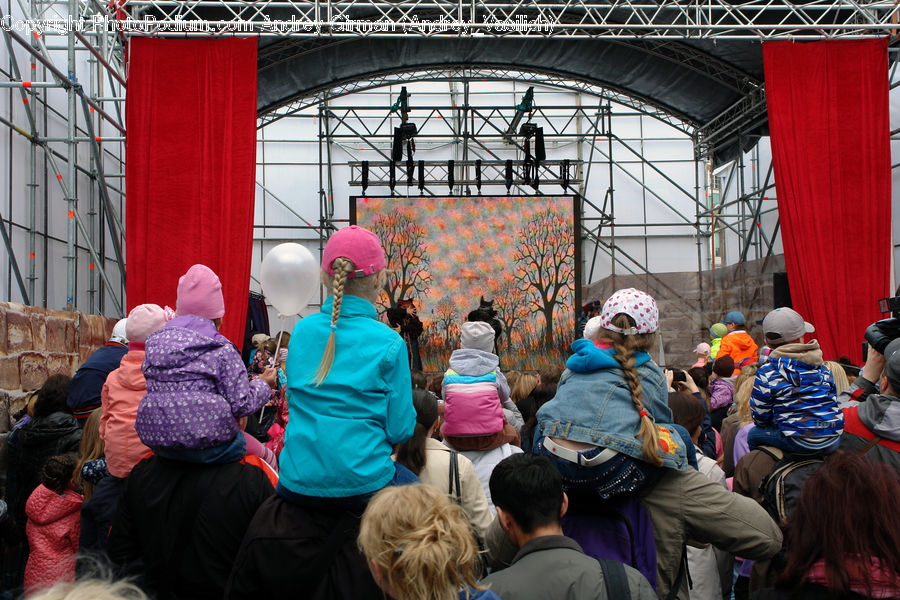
pixel 191 168
pixel 828 118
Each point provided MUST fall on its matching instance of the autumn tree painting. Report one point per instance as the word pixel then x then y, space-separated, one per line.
pixel 544 252
pixel 404 243
pixel 446 253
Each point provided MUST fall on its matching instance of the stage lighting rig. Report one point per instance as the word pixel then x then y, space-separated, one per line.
pixel 525 106
pixel 405 133
pixel 532 164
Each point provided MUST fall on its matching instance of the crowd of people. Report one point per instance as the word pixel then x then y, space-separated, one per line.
pixel 325 468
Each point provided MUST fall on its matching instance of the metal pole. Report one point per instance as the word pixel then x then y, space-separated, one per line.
pixel 71 179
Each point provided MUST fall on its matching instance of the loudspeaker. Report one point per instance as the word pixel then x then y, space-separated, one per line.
pixel 450 175
pixel 421 176
pixel 478 175
pixel 508 176
pixel 781 291
pixel 397 146
pixel 365 176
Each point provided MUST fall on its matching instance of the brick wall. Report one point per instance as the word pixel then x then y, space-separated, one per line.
pixel 36 343
pixel 690 302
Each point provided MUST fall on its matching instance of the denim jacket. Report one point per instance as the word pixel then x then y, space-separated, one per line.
pixel 593 405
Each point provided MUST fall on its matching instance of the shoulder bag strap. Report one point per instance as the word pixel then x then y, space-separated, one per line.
pixel 455 488
pixel 615 579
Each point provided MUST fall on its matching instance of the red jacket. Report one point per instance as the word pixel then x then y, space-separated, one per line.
pixel 53 527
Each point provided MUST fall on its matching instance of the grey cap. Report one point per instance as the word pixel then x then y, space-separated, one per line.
pixel 477 335
pixel 892 364
pixel 783 325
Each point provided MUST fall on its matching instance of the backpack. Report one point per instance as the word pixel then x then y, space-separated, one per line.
pixel 619 529
pixel 781 488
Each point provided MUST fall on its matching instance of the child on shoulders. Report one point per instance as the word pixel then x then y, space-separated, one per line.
pixel 793 402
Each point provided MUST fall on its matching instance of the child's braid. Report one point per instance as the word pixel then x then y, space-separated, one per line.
pixel 341 267
pixel 624 355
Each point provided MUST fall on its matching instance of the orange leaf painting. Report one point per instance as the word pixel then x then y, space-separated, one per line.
pixel 448 253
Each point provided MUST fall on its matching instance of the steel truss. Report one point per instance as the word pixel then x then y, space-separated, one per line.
pixel 92 76
pixel 629 19
pixel 739 209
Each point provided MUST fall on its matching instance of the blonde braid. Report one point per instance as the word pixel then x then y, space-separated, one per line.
pixel 341 267
pixel 624 346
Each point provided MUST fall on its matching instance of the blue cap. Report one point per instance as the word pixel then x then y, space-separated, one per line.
pixel 735 317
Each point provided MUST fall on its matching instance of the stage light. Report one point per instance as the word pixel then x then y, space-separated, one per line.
pixel 478 175
pixel 421 177
pixel 509 175
pixel 525 106
pixel 450 177
pixel 365 176
pixel 403 135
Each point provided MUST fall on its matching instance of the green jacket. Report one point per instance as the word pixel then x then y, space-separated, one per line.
pixel 554 567
pixel 714 347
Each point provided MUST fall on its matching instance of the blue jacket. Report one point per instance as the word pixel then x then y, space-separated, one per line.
pixel 340 435
pixel 593 405
pixel 795 393
pixel 86 385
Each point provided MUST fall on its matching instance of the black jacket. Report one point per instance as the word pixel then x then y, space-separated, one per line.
pixel 97 514
pixel 185 522
pixel 29 448
pixel 86 385
pixel 295 552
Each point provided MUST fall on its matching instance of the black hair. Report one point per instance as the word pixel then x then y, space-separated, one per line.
pixel 419 381
pixel 52 396
pixel 58 471
pixel 529 488
pixel 411 453
pixel 529 406
pixel 687 411
pixel 700 377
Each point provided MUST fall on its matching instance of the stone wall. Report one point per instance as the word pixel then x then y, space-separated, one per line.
pixel 36 343
pixel 690 302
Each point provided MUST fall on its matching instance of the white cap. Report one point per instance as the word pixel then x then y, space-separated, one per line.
pixel 118 333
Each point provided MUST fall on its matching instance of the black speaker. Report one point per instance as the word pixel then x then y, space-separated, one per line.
pixel 781 291
pixel 365 176
pixel 410 171
pixel 564 174
pixel 478 175
pixel 421 176
pixel 509 175
pixel 397 147
pixel 540 152
pixel 393 175
pixel 450 177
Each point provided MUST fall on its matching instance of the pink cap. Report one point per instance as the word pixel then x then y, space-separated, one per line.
pixel 200 293
pixel 638 305
pixel 144 320
pixel 703 348
pixel 361 246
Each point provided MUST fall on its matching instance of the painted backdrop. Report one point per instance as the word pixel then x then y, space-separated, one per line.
pixel 446 253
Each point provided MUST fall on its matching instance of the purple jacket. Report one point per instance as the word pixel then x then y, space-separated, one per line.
pixel 721 392
pixel 196 387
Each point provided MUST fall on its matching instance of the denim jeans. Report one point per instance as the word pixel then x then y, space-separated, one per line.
pixel 771 436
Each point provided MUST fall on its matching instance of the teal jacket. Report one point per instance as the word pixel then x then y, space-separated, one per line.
pixel 340 435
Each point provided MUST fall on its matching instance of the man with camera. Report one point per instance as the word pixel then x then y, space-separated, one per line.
pixel 872 420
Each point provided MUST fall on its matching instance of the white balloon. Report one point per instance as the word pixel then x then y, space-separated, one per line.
pixel 289 277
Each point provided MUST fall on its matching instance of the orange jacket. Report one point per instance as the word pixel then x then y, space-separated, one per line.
pixel 740 346
pixel 120 398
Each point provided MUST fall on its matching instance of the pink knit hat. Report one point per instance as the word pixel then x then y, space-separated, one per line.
pixel 144 320
pixel 200 293
pixel 361 246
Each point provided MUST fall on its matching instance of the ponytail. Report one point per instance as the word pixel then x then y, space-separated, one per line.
pixel 624 347
pixel 342 267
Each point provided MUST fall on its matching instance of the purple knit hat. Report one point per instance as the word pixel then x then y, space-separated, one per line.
pixel 200 294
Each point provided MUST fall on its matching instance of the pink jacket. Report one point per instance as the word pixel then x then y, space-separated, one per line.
pixel 120 398
pixel 53 527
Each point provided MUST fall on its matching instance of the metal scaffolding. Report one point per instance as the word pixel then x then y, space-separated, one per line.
pixel 632 199
pixel 64 219
pixel 66 91
pixel 680 19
